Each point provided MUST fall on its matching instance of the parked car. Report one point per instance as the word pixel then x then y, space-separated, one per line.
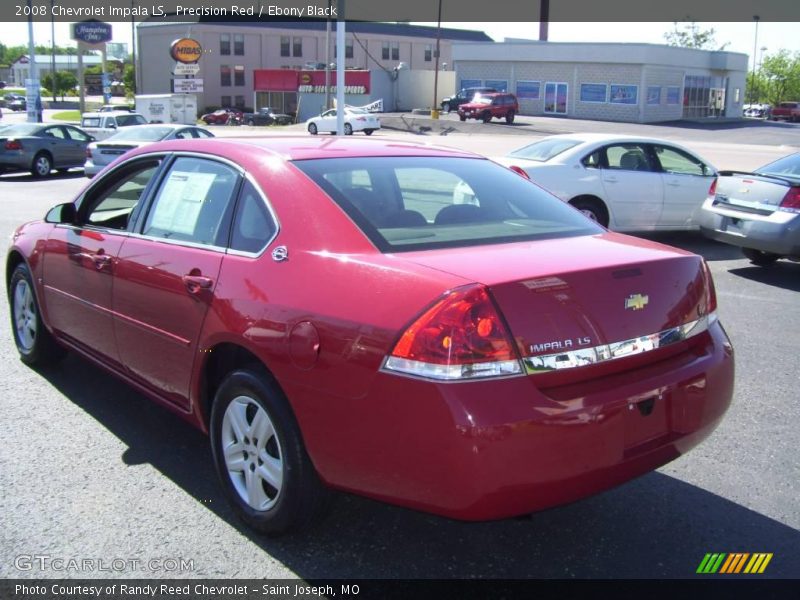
pixel 756 111
pixel 101 125
pixel 355 119
pixel 16 102
pixel 786 110
pixel 463 96
pixel 490 106
pixel 222 116
pixel 624 183
pixel 311 349
pixel 40 148
pixel 758 211
pixel 267 116
pixel 100 154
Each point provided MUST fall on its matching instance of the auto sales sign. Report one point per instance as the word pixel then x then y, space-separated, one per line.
pixel 186 50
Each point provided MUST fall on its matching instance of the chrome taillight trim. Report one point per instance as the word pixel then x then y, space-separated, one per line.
pixel 583 357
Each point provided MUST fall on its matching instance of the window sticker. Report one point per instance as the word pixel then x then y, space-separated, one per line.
pixel 180 201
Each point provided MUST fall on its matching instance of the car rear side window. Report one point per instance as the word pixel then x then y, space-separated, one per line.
pixel 545 150
pixel 627 157
pixel 253 225
pixel 417 203
pixel 194 202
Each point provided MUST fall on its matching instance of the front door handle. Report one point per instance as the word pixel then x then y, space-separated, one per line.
pixel 195 283
pixel 100 260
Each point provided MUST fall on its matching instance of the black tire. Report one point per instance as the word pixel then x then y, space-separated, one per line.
pixel 368 131
pixel 348 129
pixel 487 117
pixel 300 498
pixel 34 342
pixel 42 165
pixel 446 107
pixel 510 117
pixel 593 209
pixel 312 129
pixel 760 258
pixel 462 117
pixel 251 122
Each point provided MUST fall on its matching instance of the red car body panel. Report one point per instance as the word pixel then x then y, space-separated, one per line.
pixel 324 321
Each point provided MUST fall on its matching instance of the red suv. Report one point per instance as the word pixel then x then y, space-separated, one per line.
pixel 487 106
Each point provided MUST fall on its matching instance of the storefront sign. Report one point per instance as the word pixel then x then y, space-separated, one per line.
pixel 624 94
pixel 186 50
pixel 91 32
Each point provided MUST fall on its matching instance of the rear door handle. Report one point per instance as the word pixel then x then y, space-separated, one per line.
pixel 195 283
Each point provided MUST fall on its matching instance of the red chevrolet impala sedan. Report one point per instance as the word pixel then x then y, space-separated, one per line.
pixel 414 324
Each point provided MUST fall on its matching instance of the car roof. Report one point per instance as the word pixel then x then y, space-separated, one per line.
pixel 110 113
pixel 311 147
pixel 608 137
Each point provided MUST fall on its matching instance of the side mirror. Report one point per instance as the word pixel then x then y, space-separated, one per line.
pixel 112 125
pixel 62 214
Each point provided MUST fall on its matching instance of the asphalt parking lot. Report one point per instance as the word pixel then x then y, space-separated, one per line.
pixel 91 469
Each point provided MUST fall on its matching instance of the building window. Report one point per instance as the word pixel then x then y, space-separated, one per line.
pixel 239 101
pixel 385 51
pixel 297 46
pixel 348 49
pixel 395 50
pixel 285 45
pixel 428 52
pixel 238 44
pixel 225 101
pixel 225 43
pixel 238 75
pixel 225 75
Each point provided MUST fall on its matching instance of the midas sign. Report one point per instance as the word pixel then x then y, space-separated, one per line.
pixel 186 50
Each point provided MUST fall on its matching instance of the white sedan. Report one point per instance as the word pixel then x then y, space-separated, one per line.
pixel 355 119
pixel 624 183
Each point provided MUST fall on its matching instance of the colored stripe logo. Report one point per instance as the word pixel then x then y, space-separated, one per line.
pixel 734 563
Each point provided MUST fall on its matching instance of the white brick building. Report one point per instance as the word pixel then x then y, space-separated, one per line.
pixel 641 83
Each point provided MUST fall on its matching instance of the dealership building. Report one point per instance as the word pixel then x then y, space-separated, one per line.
pixel 279 64
pixel 640 83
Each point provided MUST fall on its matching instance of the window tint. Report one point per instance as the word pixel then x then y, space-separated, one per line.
pixel 114 204
pixel 54 132
pixel 675 161
pixel 193 203
pixel 628 157
pixel 253 226
pixel 418 203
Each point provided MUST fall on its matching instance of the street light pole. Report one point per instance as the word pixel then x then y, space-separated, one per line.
pixel 756 18
pixel 53 50
pixel 435 105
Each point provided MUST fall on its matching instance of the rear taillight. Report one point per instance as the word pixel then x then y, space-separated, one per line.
pixel 460 337
pixel 712 189
pixel 709 305
pixel 791 201
pixel 13 145
pixel 361 118
pixel 519 171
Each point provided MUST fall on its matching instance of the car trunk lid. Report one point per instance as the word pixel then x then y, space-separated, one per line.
pixel 752 193
pixel 559 296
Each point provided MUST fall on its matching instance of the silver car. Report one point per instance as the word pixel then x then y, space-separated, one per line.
pixel 40 148
pixel 101 153
pixel 759 211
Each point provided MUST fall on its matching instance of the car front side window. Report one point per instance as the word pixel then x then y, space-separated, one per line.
pixel 194 202
pixel 112 206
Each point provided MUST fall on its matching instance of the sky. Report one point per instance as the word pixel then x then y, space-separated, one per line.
pixel 739 36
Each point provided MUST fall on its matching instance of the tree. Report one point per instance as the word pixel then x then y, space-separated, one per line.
pixel 64 82
pixel 689 35
pixel 781 73
pixel 129 77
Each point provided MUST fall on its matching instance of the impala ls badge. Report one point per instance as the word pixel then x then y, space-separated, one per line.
pixel 636 302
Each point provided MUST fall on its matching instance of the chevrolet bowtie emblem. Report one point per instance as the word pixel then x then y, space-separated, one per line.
pixel 636 302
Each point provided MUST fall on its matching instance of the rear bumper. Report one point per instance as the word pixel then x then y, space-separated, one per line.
pixel 494 449
pixel 778 233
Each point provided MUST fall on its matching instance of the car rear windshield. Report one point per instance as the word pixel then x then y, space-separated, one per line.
pixel 90 122
pixel 544 150
pixel 788 166
pixel 419 203
pixel 20 129
pixel 141 134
